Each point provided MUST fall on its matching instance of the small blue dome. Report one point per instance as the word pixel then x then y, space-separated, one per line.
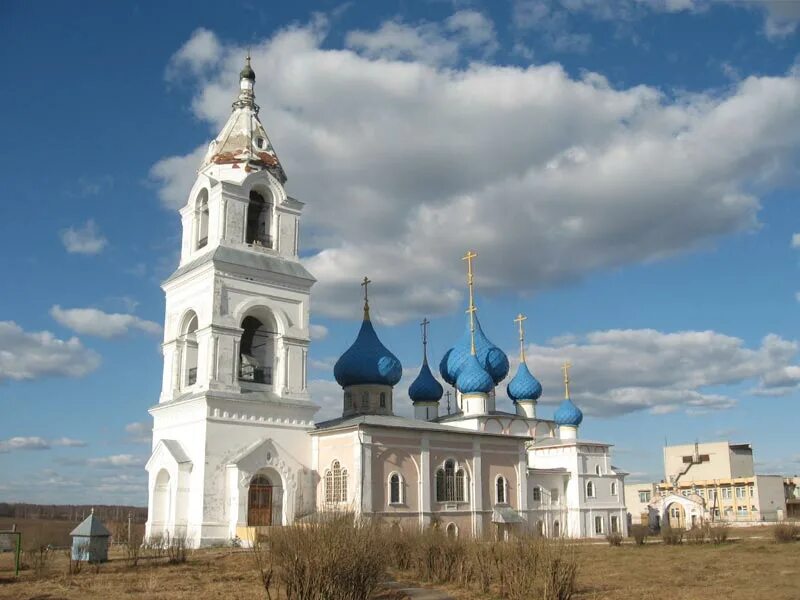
pixel 367 361
pixel 524 386
pixel 568 414
pixel 473 379
pixel 489 356
pixel 425 388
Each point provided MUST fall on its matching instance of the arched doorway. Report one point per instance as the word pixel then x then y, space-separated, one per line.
pixel 556 529
pixel 161 502
pixel 264 501
pixel 257 349
pixel 676 515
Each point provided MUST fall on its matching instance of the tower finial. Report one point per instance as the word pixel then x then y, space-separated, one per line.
pixel 364 284
pixel 424 325
pixel 471 310
pixel 566 368
pixel 520 318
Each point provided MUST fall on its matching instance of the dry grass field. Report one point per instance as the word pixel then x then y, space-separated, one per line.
pixel 750 567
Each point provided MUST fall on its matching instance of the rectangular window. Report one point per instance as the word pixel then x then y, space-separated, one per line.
pixel 701 492
pixel 716 513
pixel 752 490
pixel 644 497
pixel 740 492
pixel 554 496
pixel 742 511
pixel 614 524
pixel 712 494
pixel 726 493
pixel 598 525
pixel 537 493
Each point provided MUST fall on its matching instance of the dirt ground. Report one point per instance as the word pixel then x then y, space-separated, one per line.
pixel 748 568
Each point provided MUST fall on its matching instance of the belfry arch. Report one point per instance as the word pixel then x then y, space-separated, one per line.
pixel 259 218
pixel 188 339
pixel 258 347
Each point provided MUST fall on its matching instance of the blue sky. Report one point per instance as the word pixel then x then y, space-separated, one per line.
pixel 626 173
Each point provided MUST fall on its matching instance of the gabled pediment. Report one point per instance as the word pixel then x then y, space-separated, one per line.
pixel 170 452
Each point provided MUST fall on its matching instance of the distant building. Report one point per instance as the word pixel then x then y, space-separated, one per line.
pixel 708 482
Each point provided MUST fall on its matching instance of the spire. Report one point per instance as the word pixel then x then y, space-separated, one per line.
pixel 568 416
pixel 471 310
pixel 364 284
pixel 565 368
pixel 247 82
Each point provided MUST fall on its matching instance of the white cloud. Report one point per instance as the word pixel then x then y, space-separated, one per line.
pixel 796 240
pixel 202 51
pixel 175 176
pixel 37 443
pixel 318 332
pixel 621 371
pixel 546 176
pixel 26 355
pixel 91 321
pixel 84 240
pixel 140 432
pixel 550 21
pixel 428 42
pixel 116 461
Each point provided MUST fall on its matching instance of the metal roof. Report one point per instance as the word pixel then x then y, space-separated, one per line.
pixel 404 423
pixel 254 259
pixel 91 527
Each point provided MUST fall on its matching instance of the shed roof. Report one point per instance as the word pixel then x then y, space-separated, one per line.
pixel 91 526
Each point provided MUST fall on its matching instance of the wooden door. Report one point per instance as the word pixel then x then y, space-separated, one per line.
pixel 259 503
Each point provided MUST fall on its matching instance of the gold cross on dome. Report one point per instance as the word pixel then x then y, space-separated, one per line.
pixel 566 368
pixel 424 326
pixel 364 284
pixel 519 320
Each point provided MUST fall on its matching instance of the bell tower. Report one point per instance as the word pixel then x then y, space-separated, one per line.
pixel 236 336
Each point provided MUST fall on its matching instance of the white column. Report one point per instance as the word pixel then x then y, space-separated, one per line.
pixel 425 485
pixel 366 495
pixel 477 489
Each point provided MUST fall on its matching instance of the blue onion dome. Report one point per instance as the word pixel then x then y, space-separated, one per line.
pixel 489 356
pixel 568 414
pixel 473 378
pixel 425 388
pixel 524 386
pixel 367 360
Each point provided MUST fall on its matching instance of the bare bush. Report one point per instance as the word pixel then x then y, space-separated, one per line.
pixel 339 558
pixel 672 536
pixel 785 532
pixel 38 557
pixel 177 549
pixel 639 534
pixel 719 533
pixel 614 539
pixel 699 534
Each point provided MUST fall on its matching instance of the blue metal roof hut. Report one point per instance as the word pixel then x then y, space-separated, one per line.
pixel 90 540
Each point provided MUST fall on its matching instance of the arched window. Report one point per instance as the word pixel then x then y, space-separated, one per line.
pixel 259 501
pixel 500 486
pixel 383 399
pixel 597 470
pixel 202 220
pixel 336 483
pixel 590 491
pixel 258 221
pixel 256 351
pixel 189 350
pixel 451 530
pixel 395 489
pixel 556 529
pixel 613 488
pixel 450 483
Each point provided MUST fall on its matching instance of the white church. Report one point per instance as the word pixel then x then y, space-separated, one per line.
pixel 235 444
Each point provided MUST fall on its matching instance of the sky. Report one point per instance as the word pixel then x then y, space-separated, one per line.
pixel 625 171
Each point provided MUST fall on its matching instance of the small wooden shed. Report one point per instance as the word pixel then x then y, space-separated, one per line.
pixel 90 540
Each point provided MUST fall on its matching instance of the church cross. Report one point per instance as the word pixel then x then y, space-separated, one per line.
pixel 364 284
pixel 447 395
pixel 519 320
pixel 565 368
pixel 471 310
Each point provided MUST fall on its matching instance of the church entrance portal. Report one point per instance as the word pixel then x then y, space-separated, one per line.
pixel 260 498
